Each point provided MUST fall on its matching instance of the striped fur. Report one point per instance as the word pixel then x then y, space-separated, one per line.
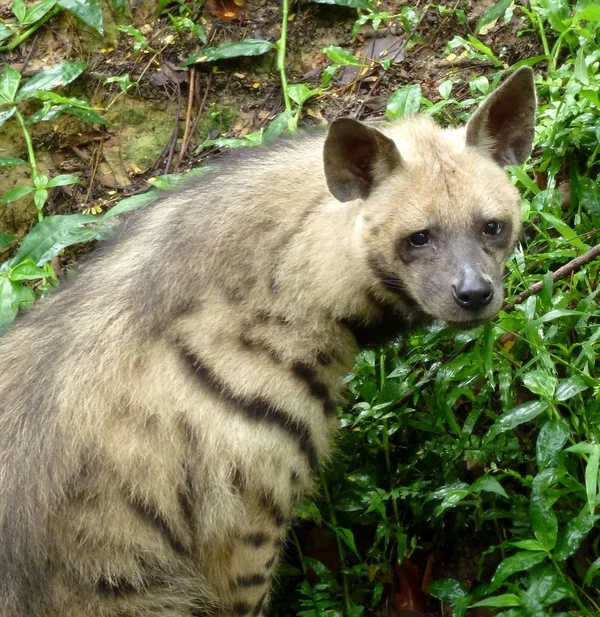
pixel 161 415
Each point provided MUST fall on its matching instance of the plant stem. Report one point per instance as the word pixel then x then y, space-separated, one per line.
pixel 31 154
pixel 332 517
pixel 281 45
pixel 25 35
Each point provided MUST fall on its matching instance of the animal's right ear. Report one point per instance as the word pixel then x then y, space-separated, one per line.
pixel 356 157
pixel 504 126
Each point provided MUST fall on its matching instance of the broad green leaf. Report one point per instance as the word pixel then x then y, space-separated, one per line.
pixel 540 383
pixel 543 518
pixel 445 88
pixel 278 126
pixel 588 192
pixel 36 11
pixel 341 56
pixel 63 180
pixel 47 114
pixel 516 563
pixel 528 545
pixel 493 13
pixel 53 234
pixel 88 11
pixel 516 416
pixel 564 230
pixel 589 13
pixel 574 533
pixel 6 239
pixel 353 4
pixel 348 538
pixel 248 47
pixel 300 93
pixel 507 599
pixel 9 84
pixel 131 203
pixel 524 179
pixel 59 75
pixel 27 270
pixel 589 575
pixel 6 114
pixel 551 440
pixel 404 102
pixel 16 193
pixel 40 197
pixel 447 590
pixel 568 388
pixel 10 161
pixel 489 484
pixel 19 8
pixel 531 605
pixel 9 301
pixel 591 477
pixel 5 32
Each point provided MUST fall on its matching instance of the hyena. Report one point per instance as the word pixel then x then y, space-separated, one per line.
pixel 162 414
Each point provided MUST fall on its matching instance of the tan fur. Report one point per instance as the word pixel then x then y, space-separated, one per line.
pixel 152 412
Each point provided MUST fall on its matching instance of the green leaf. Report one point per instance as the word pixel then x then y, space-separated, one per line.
pixel 10 161
pixel 9 84
pixel 19 8
pixel 447 590
pixel 16 193
pixel 568 388
pixel 53 234
pixel 574 533
pixel 540 383
pixel 588 192
pixel 6 114
pixel 348 538
pixel 589 13
pixel 489 484
pixel 9 301
pixel 516 416
pixel 404 102
pixel 591 477
pixel 63 180
pixel 131 203
pixel 5 32
pixel 40 197
pixel 589 575
pixel 27 270
pixel 516 563
pixel 507 599
pixel 59 75
pixel 278 126
pixel 341 56
pixel 88 115
pixel 353 4
pixel 300 93
pixel 248 47
pixel 564 230
pixel 491 14
pixel 543 518
pixel 6 240
pixel 528 545
pixel 36 11
pixel 551 440
pixel 88 11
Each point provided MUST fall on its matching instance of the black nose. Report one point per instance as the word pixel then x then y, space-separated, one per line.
pixel 473 291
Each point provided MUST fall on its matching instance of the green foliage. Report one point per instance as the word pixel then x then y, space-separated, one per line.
pixel 247 47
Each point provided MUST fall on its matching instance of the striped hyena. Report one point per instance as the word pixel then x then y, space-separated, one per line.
pixel 161 415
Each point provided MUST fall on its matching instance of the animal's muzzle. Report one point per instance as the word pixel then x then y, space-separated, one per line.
pixel 473 291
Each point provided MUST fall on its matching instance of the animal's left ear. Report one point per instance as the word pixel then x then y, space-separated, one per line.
pixel 356 157
pixel 504 125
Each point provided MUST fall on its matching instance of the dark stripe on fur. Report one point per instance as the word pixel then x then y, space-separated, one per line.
pixel 260 606
pixel 114 588
pixel 251 580
pixel 270 563
pixel 241 608
pixel 388 278
pixel 315 386
pixel 186 499
pixel 152 516
pixel 255 539
pixel 255 408
pixel 273 509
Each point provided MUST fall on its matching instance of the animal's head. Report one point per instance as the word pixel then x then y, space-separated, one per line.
pixel 440 216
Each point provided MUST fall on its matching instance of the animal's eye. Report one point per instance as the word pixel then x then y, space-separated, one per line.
pixel 492 228
pixel 421 238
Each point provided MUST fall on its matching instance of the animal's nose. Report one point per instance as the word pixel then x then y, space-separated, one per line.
pixel 473 290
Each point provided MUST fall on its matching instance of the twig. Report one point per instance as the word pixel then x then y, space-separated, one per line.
pixel 188 118
pixel 202 104
pixel 175 132
pixel 562 273
pixel 281 44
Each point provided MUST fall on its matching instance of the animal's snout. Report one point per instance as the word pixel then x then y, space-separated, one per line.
pixel 473 291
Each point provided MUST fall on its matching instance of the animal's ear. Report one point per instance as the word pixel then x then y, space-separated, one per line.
pixel 356 157
pixel 504 126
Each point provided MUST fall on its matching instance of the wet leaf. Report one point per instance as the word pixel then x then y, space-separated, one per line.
pixel 53 234
pixel 543 518
pixel 9 84
pixel 10 161
pixel 592 570
pixel 9 301
pixel 516 563
pixel 59 75
pixel 36 11
pixel 591 477
pixel 571 537
pixel 489 484
pixel 404 102
pixel 16 193
pixel 248 47
pixel 516 416
pixel 88 11
pixel 6 114
pixel 447 590
pixel 551 440
pixel 540 383
pixel 568 388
